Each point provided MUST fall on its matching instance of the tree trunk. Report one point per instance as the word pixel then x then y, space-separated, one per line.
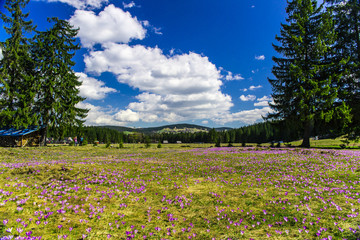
pixel 43 136
pixel 308 127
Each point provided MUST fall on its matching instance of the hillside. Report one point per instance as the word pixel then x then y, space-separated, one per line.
pixel 174 128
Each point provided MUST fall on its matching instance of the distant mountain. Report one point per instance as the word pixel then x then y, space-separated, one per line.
pixel 167 128
pixel 120 129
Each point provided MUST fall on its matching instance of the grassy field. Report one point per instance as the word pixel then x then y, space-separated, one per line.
pixel 179 192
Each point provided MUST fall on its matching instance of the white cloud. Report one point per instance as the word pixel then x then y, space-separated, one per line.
pixel 252 88
pixel 157 31
pixel 174 88
pixel 127 116
pixel 247 116
pixel 231 77
pixel 99 116
pixel 205 122
pixel 261 57
pixel 261 104
pixel 265 98
pixel 81 4
pixel 264 101
pixel 92 88
pixel 129 5
pixel 111 25
pixel 248 98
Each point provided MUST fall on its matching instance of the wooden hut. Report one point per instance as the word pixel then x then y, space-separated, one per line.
pixel 11 137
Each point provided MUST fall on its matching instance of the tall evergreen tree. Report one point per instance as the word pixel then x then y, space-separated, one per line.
pixel 17 82
pixel 59 94
pixel 347 46
pixel 305 87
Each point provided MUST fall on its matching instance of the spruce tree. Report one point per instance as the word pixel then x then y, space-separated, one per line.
pixel 347 46
pixel 59 94
pixel 305 85
pixel 17 83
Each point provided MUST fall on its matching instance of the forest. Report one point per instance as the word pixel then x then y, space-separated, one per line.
pixel 265 132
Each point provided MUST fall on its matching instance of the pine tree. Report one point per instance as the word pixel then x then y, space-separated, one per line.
pixel 18 86
pixel 305 88
pixel 59 93
pixel 347 46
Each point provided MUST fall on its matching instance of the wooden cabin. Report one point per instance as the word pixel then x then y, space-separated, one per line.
pixel 11 137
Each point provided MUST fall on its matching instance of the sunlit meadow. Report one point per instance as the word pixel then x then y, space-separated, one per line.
pixel 179 193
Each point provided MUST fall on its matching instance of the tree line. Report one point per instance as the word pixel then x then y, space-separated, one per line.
pixel 258 133
pixel 37 84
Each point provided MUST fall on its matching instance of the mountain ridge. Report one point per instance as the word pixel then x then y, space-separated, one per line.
pixel 161 128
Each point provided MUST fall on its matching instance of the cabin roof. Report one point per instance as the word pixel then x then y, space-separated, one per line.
pixel 13 132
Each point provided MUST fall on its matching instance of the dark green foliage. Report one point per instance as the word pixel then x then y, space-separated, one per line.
pixel 347 46
pixel 218 142
pixel 58 85
pixel 147 142
pixel 121 145
pixel 305 85
pixel 159 145
pixel 17 83
pixel 37 83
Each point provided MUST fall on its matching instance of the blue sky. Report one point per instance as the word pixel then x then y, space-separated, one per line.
pixel 149 63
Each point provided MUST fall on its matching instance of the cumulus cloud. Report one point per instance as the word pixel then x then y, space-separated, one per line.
pixel 110 25
pixel 247 98
pixel 263 102
pixel 129 5
pixel 174 88
pixel 99 115
pixel 265 98
pixel 247 116
pixel 252 88
pixel 92 88
pixel 81 4
pixel 231 77
pixel 261 57
pixel 127 116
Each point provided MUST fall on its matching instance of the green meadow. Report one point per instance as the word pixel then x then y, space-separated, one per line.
pixel 179 192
